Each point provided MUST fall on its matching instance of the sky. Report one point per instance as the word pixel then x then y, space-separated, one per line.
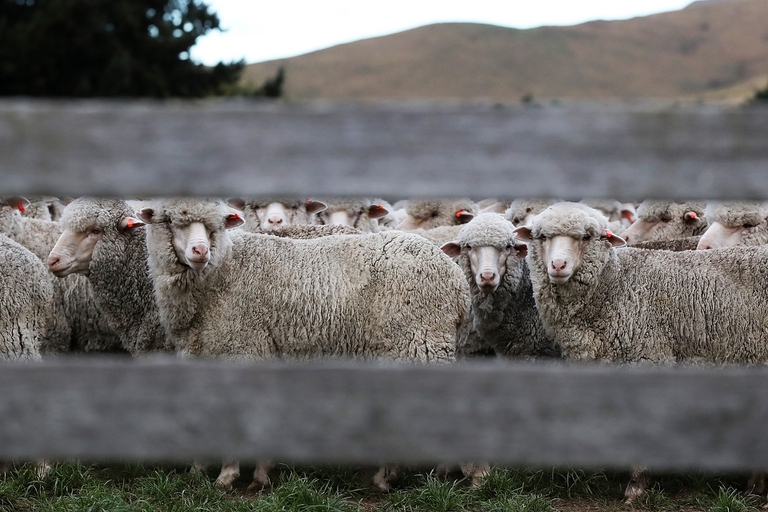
pixel 259 30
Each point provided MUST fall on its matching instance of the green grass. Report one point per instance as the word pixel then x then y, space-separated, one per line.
pixel 80 487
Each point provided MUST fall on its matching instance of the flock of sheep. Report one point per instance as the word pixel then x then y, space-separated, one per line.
pixel 421 280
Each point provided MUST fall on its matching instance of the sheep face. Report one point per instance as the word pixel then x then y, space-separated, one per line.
pixel 192 229
pixel 485 244
pixel 429 214
pixel 73 251
pixel 564 235
pixel 732 224
pixel 660 220
pixel 275 214
pixel 344 214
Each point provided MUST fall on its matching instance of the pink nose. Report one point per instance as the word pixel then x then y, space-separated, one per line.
pixel 53 261
pixel 200 251
pixel 559 265
pixel 487 277
pixel 275 220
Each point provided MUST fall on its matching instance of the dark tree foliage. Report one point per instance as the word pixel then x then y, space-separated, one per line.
pixel 87 48
pixel 273 87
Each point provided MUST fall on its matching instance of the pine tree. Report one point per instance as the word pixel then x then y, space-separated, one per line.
pixel 107 48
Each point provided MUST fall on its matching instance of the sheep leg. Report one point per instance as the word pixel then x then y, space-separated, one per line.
pixel 230 470
pixel 382 479
pixel 42 468
pixel 756 484
pixel 638 483
pixel 261 477
pixel 475 472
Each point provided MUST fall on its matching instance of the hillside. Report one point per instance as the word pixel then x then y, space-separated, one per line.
pixel 707 47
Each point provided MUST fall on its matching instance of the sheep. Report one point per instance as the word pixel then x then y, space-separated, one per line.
pixel 265 214
pixel 684 303
pixel 620 215
pixel 493 261
pixel 738 223
pixel 430 213
pixel 77 322
pixel 26 302
pixel 391 219
pixel 665 220
pixel 45 208
pixel 103 241
pixel 360 214
pixel 256 296
pixel 521 211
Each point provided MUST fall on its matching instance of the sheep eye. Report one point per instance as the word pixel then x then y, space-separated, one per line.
pixel 509 246
pixel 516 221
pixel 469 247
pixel 95 231
pixel 665 218
pixel 748 225
pixel 587 238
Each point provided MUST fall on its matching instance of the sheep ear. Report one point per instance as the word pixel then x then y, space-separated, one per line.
pixel 464 216
pixel 615 240
pixel 129 223
pixel 233 220
pixel 629 215
pixel 523 234
pixel 691 217
pixel 236 203
pixel 18 202
pixel 146 214
pixel 452 249
pixel 377 211
pixel 521 249
pixel 315 206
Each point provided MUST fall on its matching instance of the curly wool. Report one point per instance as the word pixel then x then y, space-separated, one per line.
pixel 77 323
pixel 506 319
pixel 688 243
pixel 652 211
pixel 26 300
pixel 365 296
pixel 738 214
pixel 684 304
pixel 118 273
pixel 431 213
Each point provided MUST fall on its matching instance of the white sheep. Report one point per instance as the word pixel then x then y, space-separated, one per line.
pixel 103 241
pixel 666 220
pixel 504 311
pixel 77 321
pixel 521 211
pixel 255 296
pixel 432 213
pixel 267 213
pixel 362 214
pixel 736 223
pixel 26 302
pixel 683 304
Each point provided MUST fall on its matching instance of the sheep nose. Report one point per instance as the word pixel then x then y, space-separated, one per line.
pixel 275 220
pixel 559 264
pixel 200 250
pixel 487 277
pixel 53 261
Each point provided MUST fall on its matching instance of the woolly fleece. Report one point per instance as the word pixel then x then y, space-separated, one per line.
pixel 684 303
pixel 365 296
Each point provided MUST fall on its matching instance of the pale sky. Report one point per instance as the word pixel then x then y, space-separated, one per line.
pixel 260 30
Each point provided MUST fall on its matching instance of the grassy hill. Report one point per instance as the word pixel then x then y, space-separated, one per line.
pixel 695 52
